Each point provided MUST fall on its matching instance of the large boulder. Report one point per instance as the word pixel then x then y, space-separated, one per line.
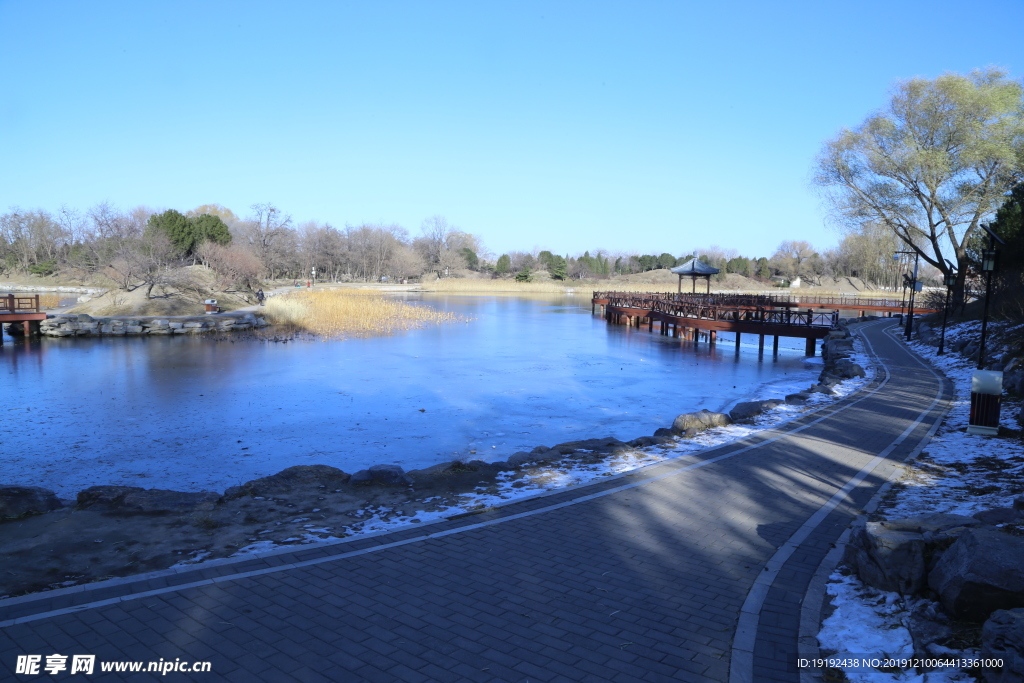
pixel 132 499
pixel 748 410
pixel 999 515
pixel 605 445
pixel 848 369
pixel 894 555
pixel 161 501
pixel 299 476
pixel 383 475
pixel 887 559
pixel 981 572
pixel 104 497
pixel 16 501
pixel 699 421
pixel 1002 637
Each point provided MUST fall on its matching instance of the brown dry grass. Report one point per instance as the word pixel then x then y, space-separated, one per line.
pixel 341 313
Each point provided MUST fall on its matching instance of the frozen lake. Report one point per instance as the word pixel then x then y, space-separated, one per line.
pixel 191 413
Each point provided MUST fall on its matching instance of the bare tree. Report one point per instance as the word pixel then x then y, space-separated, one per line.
pixel 932 165
pixel 268 232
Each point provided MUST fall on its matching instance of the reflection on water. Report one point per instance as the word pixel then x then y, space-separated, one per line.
pixel 193 413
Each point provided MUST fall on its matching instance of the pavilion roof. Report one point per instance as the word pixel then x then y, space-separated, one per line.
pixel 695 267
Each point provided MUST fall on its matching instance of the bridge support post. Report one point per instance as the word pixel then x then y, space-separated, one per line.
pixel 775 347
pixel 760 345
pixel 809 346
pixel 712 337
pixel 738 335
pixel 650 323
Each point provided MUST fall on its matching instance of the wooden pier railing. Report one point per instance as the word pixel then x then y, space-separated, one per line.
pixel 19 304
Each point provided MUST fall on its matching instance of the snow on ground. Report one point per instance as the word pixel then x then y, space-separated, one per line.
pixel 958 473
pixel 867 624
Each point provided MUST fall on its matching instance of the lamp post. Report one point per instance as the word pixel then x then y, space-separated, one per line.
pixel 950 281
pixel 986 385
pixel 988 266
pixel 914 285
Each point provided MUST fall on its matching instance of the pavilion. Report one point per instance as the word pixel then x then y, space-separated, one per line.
pixel 695 268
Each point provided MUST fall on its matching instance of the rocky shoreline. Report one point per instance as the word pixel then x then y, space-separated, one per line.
pixel 83 325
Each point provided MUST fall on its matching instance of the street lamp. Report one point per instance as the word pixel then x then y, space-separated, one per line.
pixel 986 385
pixel 915 286
pixel 988 266
pixel 950 281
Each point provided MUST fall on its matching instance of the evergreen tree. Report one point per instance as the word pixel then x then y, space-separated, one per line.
pixel 524 275
pixel 558 268
pixel 504 265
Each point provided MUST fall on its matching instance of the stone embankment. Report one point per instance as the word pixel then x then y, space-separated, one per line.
pixel 90 291
pixel 82 325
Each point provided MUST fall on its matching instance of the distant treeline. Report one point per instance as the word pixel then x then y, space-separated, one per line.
pixel 144 247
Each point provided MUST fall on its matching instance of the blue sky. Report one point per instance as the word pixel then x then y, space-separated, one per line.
pixel 646 126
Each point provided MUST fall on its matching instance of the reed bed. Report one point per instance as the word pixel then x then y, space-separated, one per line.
pixel 344 313
pixel 50 300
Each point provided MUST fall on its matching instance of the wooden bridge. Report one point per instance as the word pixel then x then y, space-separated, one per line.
pixel 686 316
pixel 21 309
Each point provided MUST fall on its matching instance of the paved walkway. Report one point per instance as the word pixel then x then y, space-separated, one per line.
pixel 691 570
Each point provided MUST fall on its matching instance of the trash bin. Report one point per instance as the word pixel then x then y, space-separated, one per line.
pixel 986 399
pixel 211 306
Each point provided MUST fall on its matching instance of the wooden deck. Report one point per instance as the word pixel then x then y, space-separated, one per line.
pixel 687 316
pixel 21 309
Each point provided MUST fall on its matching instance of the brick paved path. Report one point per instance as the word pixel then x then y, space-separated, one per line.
pixel 639 578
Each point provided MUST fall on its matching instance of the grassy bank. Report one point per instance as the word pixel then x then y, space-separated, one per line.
pixel 342 313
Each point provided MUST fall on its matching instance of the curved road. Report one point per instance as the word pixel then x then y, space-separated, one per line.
pixel 695 569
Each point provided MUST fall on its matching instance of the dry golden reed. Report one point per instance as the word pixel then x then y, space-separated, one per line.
pixel 341 313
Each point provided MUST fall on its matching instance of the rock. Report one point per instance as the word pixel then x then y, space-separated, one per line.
pixel 751 409
pixel 704 419
pixel 309 476
pixel 361 478
pixel 894 555
pixel 1018 503
pixel 389 475
pixel 160 501
pixel 848 369
pixel 16 501
pixel 661 431
pixel 1002 637
pixel 887 559
pixel 132 499
pixel 104 496
pixel 605 445
pixel 981 572
pixel 644 441
pixel 998 515
pixel 798 398
pixel 519 459
pixel 822 389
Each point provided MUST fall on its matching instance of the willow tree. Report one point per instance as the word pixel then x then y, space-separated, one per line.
pixel 931 166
